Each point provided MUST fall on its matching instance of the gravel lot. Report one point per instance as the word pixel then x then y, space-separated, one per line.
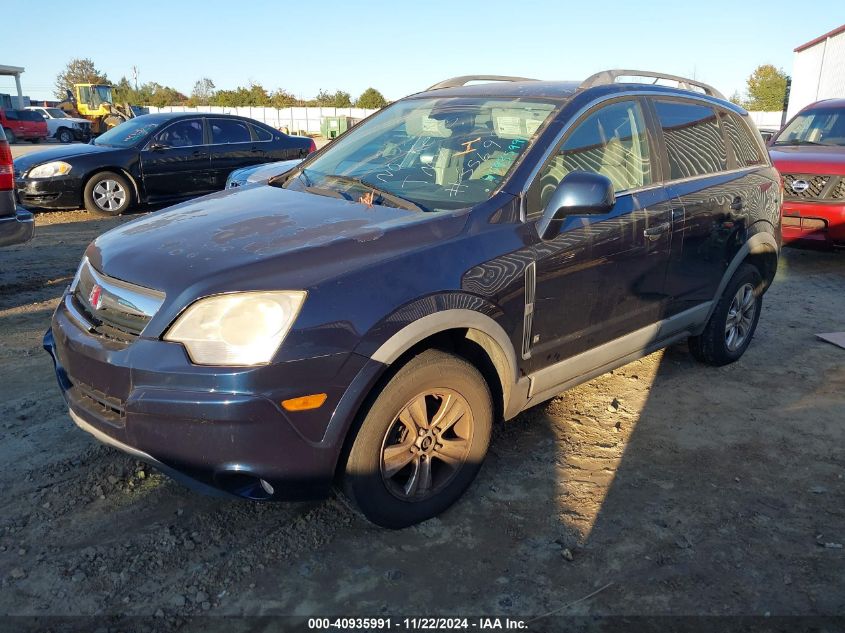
pixel 686 489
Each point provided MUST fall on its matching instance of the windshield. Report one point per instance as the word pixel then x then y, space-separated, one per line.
pixel 815 127
pixel 426 154
pixel 127 133
pixel 101 94
pixel 56 113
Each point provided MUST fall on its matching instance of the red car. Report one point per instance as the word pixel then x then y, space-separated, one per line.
pixel 810 155
pixel 23 124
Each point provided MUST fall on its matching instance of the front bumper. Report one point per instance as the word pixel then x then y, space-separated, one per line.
pixel 813 223
pixel 49 193
pixel 213 428
pixel 17 229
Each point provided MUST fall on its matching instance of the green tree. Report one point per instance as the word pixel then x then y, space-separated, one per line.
pixel 371 98
pixel 766 89
pixel 282 99
pixel 78 71
pixel 736 98
pixel 338 99
pixel 203 92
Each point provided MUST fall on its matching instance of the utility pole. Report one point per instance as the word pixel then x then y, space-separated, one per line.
pixel 135 76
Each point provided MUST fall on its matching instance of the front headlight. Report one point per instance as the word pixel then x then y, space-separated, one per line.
pixel 50 170
pixel 243 328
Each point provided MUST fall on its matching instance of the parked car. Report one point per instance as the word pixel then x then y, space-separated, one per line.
pixel 62 126
pixel 767 133
pixel 16 225
pixel 259 173
pixel 23 125
pixel 155 158
pixel 462 255
pixel 810 154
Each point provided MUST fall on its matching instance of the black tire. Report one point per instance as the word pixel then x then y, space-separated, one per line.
pixel 452 382
pixel 10 136
pixel 64 135
pixel 35 140
pixel 95 197
pixel 714 345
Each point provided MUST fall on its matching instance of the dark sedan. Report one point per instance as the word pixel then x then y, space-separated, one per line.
pixel 156 158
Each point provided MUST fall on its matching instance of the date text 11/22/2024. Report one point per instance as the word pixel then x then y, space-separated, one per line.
pixel 416 624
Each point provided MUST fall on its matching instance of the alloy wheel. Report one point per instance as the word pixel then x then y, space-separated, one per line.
pixel 740 319
pixel 427 444
pixel 109 195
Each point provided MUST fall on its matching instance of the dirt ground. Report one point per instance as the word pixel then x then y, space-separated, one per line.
pixel 674 488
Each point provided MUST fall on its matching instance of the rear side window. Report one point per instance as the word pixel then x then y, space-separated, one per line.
pixel 261 134
pixel 745 147
pixel 229 131
pixel 694 142
pixel 12 115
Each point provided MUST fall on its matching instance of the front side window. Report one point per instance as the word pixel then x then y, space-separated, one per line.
pixel 611 141
pixel 181 134
pixel 819 126
pixel 56 113
pixel 428 154
pixel 224 131
pixel 694 142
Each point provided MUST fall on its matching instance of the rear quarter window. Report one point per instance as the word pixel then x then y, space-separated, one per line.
pixel 742 141
pixel 261 134
pixel 694 142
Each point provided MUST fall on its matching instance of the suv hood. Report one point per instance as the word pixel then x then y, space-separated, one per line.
pixel 62 152
pixel 809 159
pixel 261 237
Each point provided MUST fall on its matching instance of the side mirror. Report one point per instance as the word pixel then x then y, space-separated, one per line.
pixel 579 193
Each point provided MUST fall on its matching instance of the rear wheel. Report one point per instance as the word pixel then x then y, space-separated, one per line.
pixel 10 136
pixel 107 193
pixel 421 443
pixel 64 135
pixel 729 331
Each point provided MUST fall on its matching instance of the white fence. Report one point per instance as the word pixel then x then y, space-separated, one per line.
pixel 766 119
pixel 294 119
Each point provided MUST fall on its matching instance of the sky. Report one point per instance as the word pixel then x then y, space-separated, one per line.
pixel 401 47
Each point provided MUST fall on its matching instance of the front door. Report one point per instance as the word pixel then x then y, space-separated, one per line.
pixel 176 162
pixel 602 276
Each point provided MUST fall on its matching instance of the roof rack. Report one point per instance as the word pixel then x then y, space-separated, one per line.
pixel 455 82
pixel 607 77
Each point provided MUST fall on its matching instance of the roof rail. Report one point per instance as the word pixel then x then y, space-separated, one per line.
pixel 607 77
pixel 455 82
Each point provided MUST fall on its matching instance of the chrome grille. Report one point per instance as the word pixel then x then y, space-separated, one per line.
pixel 818 187
pixel 110 307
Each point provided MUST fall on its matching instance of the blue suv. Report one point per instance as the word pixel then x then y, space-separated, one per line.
pixel 462 255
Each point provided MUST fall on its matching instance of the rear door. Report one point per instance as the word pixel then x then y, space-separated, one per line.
pixel 714 199
pixel 14 123
pixel 176 161
pixel 603 276
pixel 232 147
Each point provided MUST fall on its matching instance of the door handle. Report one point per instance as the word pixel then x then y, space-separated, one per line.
pixel 653 233
pixel 737 204
pixel 255 150
pixel 197 153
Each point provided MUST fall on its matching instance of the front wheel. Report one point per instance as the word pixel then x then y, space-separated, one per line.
pixel 65 135
pixel 35 140
pixel 107 193
pixel 422 441
pixel 10 136
pixel 729 331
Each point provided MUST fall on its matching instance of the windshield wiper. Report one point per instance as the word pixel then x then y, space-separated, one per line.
pixel 797 141
pixel 399 201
